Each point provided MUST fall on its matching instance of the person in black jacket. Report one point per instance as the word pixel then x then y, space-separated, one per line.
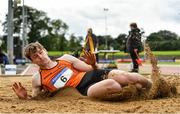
pixel 134 45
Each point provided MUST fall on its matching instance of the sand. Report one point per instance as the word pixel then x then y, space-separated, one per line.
pixel 69 100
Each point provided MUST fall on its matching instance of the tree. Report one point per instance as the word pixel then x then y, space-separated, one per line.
pixel 163 40
pixel 162 35
pixel 75 43
pixel 40 28
pixel 58 27
pixel 58 30
pixel 120 42
pixel 101 42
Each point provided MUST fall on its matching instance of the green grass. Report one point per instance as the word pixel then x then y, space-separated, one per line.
pixel 121 54
pixel 157 53
pixel 169 63
pixel 57 53
pixel 166 53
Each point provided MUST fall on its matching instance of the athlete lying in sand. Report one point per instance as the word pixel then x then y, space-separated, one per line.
pixel 70 71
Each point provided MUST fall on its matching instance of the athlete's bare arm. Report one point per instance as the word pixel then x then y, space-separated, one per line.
pixel 21 91
pixel 78 64
pixel 36 85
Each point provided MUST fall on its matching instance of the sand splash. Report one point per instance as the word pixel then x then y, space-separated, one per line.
pixel 160 87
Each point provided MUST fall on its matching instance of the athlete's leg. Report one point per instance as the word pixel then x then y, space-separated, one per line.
pixel 103 88
pixel 124 78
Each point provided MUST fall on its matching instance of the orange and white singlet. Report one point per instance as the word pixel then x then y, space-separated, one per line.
pixel 62 75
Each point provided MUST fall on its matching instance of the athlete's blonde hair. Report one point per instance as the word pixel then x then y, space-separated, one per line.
pixel 32 48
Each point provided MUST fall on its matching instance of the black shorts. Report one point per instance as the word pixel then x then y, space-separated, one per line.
pixel 91 78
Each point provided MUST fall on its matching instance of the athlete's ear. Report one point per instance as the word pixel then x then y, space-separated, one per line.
pixel 45 51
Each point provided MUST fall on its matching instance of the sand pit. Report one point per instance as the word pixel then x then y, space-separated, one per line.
pixel 69 100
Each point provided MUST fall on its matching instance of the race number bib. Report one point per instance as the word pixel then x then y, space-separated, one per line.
pixel 62 78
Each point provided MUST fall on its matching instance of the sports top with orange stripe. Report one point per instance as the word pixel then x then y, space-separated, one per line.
pixel 62 75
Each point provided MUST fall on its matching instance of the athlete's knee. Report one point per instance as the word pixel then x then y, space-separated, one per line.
pixel 115 73
pixel 134 77
pixel 112 86
pixel 105 87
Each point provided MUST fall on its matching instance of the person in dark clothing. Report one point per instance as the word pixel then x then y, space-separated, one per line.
pixel 3 57
pixel 134 45
pixel 94 42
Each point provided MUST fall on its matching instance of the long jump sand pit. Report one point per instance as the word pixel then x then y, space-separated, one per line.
pixel 69 100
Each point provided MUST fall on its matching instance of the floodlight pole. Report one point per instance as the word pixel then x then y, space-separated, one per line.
pixel 10 26
pixel 106 29
pixel 23 28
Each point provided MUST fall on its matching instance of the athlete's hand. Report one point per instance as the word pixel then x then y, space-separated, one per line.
pixel 90 58
pixel 20 91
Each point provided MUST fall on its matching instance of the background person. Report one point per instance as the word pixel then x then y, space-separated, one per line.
pixel 91 42
pixel 134 45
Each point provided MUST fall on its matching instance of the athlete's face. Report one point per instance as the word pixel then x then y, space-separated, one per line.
pixel 40 57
